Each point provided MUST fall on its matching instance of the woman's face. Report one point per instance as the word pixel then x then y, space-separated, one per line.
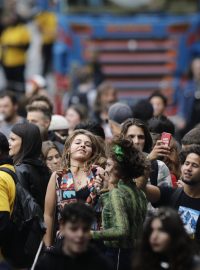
pixel 53 160
pixel 81 148
pixel 110 172
pixel 15 143
pixel 73 118
pixel 136 134
pixel 159 239
pixel 158 106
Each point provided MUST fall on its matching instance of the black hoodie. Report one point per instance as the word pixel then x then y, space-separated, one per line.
pixel 57 260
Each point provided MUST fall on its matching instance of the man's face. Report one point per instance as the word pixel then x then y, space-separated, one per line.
pixel 136 134
pixel 7 108
pixel 191 169
pixel 76 237
pixel 109 97
pixel 38 118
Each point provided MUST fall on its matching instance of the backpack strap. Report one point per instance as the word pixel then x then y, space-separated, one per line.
pixel 175 197
pixel 11 173
pixel 154 173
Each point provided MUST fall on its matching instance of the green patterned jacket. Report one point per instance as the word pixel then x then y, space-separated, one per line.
pixel 124 210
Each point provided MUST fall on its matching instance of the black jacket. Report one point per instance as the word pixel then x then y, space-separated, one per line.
pixel 27 224
pixel 57 260
pixel 34 178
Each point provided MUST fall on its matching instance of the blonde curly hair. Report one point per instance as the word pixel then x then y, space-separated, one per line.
pixel 98 149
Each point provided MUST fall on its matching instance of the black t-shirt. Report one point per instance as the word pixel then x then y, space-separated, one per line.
pixel 188 208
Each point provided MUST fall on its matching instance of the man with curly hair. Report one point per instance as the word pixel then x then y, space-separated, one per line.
pixel 186 200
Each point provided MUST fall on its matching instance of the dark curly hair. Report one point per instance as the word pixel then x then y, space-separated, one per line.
pixel 192 149
pixel 77 212
pixel 129 162
pixel 181 251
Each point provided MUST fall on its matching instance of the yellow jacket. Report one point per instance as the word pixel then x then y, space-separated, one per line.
pixel 47 23
pixel 12 38
pixel 7 190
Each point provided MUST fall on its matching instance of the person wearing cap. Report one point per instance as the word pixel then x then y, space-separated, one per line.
pixel 118 113
pixel 59 126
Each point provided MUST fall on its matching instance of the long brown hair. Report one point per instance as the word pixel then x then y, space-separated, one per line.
pixel 102 89
pixel 98 149
pixel 138 123
pixel 46 147
pixel 181 250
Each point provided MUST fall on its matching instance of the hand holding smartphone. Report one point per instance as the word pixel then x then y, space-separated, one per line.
pixel 166 138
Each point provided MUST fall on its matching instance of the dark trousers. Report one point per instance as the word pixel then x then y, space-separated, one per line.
pixel 47 58
pixel 15 78
pixel 121 258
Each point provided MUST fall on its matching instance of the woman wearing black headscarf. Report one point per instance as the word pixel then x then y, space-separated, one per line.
pixel 25 148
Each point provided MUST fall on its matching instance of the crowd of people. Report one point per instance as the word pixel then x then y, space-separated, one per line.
pixel 104 185
pixel 98 188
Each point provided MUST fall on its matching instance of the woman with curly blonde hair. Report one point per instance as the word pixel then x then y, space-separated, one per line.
pixel 75 181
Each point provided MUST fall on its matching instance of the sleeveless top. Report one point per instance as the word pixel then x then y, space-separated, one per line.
pixel 66 193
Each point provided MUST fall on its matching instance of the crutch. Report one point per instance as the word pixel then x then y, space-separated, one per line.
pixel 37 255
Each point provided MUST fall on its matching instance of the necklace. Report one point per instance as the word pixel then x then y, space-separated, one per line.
pixel 80 180
pixel 80 183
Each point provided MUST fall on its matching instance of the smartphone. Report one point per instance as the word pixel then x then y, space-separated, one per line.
pixel 166 138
